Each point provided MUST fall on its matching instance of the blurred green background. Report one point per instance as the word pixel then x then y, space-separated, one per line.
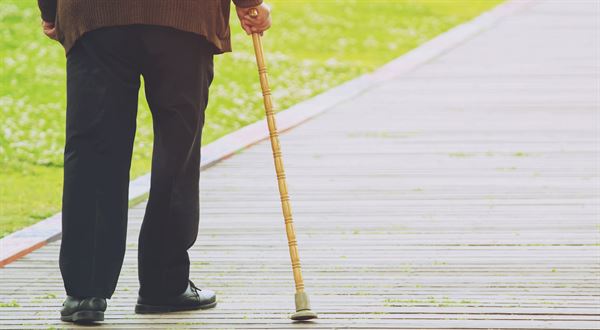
pixel 313 45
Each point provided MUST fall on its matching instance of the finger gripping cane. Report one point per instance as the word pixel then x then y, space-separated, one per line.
pixel 303 311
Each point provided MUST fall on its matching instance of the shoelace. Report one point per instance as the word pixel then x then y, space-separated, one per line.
pixel 194 287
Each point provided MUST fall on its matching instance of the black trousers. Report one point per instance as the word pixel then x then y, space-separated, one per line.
pixel 103 80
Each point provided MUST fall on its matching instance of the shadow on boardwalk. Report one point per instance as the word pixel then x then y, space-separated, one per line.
pixel 461 195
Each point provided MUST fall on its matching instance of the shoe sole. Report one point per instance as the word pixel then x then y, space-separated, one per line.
pixel 153 309
pixel 84 317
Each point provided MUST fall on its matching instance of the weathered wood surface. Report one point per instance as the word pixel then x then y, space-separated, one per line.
pixel 462 195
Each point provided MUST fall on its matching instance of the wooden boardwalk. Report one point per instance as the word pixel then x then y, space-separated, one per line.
pixel 465 194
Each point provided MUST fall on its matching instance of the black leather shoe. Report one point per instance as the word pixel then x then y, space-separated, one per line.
pixel 192 298
pixel 83 310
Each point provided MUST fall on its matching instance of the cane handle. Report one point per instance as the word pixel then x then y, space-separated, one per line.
pixel 253 12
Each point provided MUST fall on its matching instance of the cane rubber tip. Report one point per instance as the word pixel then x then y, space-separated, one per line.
pixel 304 315
pixel 303 312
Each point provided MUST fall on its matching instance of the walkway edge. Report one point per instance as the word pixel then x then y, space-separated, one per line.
pixel 24 241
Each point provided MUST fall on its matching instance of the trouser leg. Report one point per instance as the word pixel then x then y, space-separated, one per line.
pixel 102 91
pixel 177 74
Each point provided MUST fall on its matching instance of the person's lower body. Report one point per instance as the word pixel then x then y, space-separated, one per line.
pixel 103 71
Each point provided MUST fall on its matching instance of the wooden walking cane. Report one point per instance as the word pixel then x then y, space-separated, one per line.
pixel 303 311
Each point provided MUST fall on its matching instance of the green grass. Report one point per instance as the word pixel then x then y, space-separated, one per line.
pixel 13 303
pixel 313 46
pixel 432 301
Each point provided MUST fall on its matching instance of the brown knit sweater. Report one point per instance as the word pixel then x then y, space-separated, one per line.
pixel 209 18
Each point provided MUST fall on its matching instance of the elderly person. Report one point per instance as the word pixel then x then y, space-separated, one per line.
pixel 109 44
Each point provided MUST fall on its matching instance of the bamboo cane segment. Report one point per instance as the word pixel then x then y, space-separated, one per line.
pixel 281 182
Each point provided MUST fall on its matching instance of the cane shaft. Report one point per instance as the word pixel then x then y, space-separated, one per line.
pixel 274 137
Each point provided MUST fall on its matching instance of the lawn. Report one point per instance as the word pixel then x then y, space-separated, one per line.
pixel 313 45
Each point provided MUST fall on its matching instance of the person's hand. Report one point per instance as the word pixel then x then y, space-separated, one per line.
pixel 49 30
pixel 257 24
